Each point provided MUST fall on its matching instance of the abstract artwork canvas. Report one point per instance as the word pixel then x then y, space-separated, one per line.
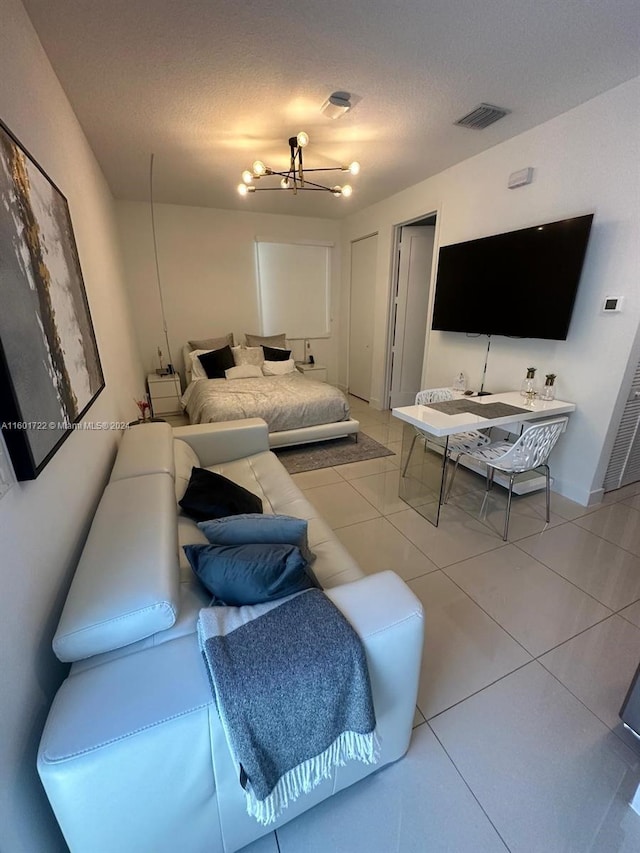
pixel 50 371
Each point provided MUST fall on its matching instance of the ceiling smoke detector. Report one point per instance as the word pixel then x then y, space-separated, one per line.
pixel 482 117
pixel 336 105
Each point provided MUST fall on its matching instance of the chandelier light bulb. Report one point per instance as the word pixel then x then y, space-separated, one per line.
pixel 337 191
pixel 303 139
pixel 347 190
pixel 247 176
pixel 284 183
pixel 259 168
pixel 243 189
pixel 354 168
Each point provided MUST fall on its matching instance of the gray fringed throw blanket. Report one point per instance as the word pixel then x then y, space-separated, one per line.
pixel 292 689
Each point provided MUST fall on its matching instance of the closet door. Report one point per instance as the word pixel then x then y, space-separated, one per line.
pixel 624 464
pixel 363 280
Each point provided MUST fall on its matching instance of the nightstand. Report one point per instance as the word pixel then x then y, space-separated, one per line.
pixel 312 371
pixel 164 394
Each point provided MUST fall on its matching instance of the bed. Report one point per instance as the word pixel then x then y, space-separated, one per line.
pixel 297 410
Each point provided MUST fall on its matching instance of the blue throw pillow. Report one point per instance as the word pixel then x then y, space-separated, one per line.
pixel 255 528
pixel 210 495
pixel 249 574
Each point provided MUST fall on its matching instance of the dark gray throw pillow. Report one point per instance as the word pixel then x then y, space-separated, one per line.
pixel 210 495
pixel 276 354
pixel 216 362
pixel 249 574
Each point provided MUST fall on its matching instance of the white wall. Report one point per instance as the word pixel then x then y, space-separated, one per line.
pixel 208 273
pixel 43 523
pixel 585 160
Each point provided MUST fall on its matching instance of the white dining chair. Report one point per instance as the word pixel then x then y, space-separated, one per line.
pixel 459 443
pixel 531 451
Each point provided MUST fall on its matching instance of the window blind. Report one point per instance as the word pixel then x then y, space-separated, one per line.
pixel 294 284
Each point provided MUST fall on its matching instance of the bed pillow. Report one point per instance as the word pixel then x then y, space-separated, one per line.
pixel 259 529
pixel 210 495
pixel 197 370
pixel 279 368
pixel 243 371
pixel 213 343
pixel 216 362
pixel 276 353
pixel 248 355
pixel 237 575
pixel 270 341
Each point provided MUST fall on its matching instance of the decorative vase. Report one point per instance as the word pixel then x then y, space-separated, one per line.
pixel 460 383
pixel 529 388
pixel 549 389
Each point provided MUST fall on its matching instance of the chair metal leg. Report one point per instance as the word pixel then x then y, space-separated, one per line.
pixel 506 518
pixel 548 490
pixel 406 464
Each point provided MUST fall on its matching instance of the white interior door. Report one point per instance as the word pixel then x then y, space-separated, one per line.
pixel 363 277
pixel 411 307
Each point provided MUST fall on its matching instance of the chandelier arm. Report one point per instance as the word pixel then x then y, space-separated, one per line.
pixel 328 169
pixel 321 186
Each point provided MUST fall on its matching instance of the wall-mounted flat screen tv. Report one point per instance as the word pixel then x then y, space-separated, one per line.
pixel 520 284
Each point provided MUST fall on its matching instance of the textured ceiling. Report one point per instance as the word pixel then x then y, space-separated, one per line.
pixel 208 86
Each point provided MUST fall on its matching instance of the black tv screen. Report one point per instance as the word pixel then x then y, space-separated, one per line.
pixel 519 284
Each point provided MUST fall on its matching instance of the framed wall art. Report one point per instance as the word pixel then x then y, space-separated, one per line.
pixel 50 371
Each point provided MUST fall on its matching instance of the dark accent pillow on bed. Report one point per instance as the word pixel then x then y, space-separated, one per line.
pixel 216 362
pixel 276 354
pixel 210 495
pixel 259 528
pixel 249 574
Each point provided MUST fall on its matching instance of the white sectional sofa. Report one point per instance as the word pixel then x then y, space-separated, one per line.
pixel 133 756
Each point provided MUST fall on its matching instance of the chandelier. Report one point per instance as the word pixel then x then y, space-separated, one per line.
pixel 295 178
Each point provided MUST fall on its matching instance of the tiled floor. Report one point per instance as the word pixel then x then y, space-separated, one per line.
pixel 530 647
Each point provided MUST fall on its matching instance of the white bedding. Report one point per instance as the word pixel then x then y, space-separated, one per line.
pixel 284 402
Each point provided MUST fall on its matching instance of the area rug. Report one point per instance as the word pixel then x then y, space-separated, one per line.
pixel 327 454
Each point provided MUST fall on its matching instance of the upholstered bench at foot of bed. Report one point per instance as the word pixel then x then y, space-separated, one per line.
pixel 320 432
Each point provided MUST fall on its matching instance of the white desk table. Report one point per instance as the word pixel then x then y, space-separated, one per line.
pixel 441 425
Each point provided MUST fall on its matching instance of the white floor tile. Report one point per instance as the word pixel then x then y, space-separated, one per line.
pixel 567 509
pixel 457 537
pixel 464 649
pixel 632 613
pixel 320 477
pixel 340 504
pixel 617 523
pixel 598 665
pixel 418 718
pixel 381 490
pixel 354 470
pixel 632 502
pixel 525 518
pixel 376 545
pixel 384 432
pixel 548 773
pixel 417 805
pixel 535 605
pixel 598 567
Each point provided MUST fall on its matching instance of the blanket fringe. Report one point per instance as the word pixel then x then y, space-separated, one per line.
pixel 306 776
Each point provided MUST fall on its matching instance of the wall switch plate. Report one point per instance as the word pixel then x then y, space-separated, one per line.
pixel 611 304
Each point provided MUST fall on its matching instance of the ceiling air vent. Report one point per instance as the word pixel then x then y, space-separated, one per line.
pixel 482 117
